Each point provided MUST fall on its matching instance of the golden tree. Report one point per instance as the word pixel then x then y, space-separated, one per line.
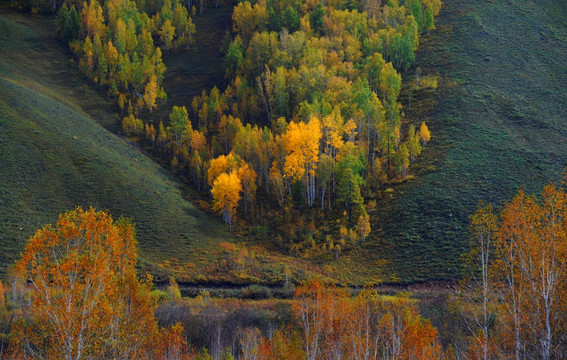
pixel 424 133
pixel 532 248
pixel 226 194
pixel 302 146
pixel 151 93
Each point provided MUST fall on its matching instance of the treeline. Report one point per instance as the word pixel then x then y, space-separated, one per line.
pixel 321 322
pixel 75 294
pixel 148 6
pixel 517 270
pixel 311 117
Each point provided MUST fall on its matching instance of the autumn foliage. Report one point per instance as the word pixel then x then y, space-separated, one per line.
pixel 226 194
pixel 86 300
pixel 312 110
pixel 311 113
pixel 522 259
pixel 118 45
pixel 334 325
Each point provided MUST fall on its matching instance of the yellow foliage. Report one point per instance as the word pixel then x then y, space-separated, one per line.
pixel 151 92
pixel 247 177
pixel 302 148
pixel 226 194
pixel 198 141
pixel 424 133
pixel 222 164
pixel 132 125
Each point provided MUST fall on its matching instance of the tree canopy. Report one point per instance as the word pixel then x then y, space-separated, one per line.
pixel 86 299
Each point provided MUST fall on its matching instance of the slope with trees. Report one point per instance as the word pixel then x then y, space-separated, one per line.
pixel 312 109
pixel 54 156
pixel 334 67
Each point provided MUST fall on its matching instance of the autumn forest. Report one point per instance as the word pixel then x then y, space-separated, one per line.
pixel 283 179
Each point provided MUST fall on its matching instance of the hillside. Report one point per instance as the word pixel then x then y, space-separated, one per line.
pixel 58 150
pixel 55 157
pixel 498 122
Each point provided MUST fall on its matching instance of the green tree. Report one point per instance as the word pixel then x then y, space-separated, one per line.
pixel 178 121
pixel 316 17
pixel 279 93
pixel 68 23
pixel 373 67
pixel 428 20
pixel 290 19
pixel 390 83
pixel 274 21
pixel 348 192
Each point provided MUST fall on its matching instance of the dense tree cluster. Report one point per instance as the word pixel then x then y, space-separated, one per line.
pixel 116 44
pixel 310 118
pixel 312 110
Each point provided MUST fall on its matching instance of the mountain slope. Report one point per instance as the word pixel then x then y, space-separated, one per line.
pixel 54 157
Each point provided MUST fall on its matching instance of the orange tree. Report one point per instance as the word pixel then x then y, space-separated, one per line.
pixel 519 267
pixel 335 325
pixel 86 300
pixel 532 263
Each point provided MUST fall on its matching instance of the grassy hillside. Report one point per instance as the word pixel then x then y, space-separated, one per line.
pixel 54 157
pixel 499 124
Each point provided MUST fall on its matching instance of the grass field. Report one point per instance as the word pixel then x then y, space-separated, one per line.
pixel 499 124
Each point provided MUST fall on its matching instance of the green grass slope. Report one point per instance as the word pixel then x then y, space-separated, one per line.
pixel 499 125
pixel 54 157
